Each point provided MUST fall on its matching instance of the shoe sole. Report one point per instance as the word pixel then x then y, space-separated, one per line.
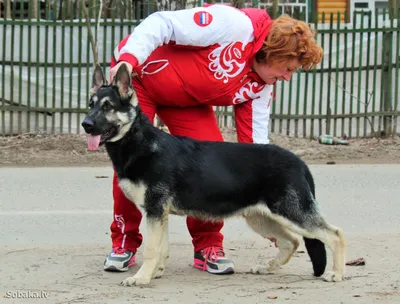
pixel 112 268
pixel 228 270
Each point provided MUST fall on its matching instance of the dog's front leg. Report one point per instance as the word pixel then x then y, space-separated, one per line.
pixel 151 254
pixel 164 250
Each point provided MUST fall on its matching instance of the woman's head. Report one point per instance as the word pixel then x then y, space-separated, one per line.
pixel 290 45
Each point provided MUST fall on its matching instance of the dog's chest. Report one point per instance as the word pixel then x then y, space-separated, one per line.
pixel 134 191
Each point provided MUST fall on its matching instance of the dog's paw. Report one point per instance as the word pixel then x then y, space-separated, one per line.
pixel 159 272
pixel 259 269
pixel 270 268
pixel 332 276
pixel 135 280
pixel 273 266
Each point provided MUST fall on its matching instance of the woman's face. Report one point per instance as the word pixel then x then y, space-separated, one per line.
pixel 276 72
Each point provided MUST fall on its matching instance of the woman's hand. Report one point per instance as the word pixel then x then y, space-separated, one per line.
pixel 114 70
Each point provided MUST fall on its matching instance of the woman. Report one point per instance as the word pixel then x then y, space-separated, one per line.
pixel 189 61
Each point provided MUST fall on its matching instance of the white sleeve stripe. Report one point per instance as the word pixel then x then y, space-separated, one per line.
pixel 260 119
pixel 228 25
pixel 116 54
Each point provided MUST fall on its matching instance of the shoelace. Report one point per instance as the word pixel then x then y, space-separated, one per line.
pixel 119 250
pixel 211 254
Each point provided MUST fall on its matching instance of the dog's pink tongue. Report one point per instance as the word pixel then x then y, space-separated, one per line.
pixel 93 142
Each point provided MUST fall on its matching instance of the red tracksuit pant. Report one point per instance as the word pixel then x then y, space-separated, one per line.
pixel 198 122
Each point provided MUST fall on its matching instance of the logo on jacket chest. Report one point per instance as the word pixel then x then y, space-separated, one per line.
pixel 227 61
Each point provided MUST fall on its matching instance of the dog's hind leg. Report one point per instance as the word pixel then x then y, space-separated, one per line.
pixel 315 227
pixel 164 251
pixel 151 254
pixel 287 241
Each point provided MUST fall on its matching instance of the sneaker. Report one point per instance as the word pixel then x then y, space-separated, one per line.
pixel 119 259
pixel 213 260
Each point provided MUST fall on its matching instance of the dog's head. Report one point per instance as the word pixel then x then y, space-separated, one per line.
pixel 113 107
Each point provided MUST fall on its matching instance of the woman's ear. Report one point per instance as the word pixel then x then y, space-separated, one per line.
pixel 260 56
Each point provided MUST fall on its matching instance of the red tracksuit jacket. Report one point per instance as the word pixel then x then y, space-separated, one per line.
pixel 204 55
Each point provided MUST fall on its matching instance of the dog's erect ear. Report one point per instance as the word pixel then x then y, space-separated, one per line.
pixel 98 79
pixel 123 81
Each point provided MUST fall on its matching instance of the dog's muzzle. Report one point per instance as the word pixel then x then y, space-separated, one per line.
pixel 88 125
pixel 93 140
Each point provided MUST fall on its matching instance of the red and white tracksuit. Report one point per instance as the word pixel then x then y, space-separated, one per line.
pixel 189 61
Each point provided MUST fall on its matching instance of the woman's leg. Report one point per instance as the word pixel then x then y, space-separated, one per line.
pixel 200 123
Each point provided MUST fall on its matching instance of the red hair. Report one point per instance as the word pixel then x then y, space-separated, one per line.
pixel 290 39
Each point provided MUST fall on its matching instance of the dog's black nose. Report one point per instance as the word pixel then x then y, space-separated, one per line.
pixel 88 125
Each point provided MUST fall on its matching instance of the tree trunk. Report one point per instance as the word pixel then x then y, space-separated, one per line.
pixel 7 9
pixel 33 7
pixel 180 4
pixel 275 8
pixel 82 6
pixel 67 4
pixel 106 8
pixel 238 3
pixel 394 6
pixel 60 10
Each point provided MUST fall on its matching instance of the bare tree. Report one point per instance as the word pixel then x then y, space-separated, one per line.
pixel 180 4
pixel 71 7
pixel 275 8
pixel 107 6
pixel 7 12
pixel 395 5
pixel 93 41
pixel 33 8
pixel 67 4
pixel 238 3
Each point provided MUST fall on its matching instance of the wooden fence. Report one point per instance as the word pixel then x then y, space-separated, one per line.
pixel 47 64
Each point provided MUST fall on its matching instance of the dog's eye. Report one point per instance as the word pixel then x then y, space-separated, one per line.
pixel 107 106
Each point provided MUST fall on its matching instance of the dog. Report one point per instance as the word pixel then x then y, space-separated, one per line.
pixel 270 187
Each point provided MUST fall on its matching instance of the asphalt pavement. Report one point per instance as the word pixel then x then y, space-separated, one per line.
pixel 74 205
pixel 54 225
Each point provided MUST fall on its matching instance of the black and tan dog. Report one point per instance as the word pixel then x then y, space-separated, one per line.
pixel 270 187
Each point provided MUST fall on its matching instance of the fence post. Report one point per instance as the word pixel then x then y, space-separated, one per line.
pixel 387 85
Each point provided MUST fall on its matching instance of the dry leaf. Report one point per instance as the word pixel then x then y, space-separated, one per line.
pixel 101 176
pixel 357 262
pixel 272 297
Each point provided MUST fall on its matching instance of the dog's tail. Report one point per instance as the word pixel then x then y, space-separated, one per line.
pixel 315 248
pixel 316 251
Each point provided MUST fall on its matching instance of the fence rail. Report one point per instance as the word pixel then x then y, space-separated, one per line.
pixel 47 65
